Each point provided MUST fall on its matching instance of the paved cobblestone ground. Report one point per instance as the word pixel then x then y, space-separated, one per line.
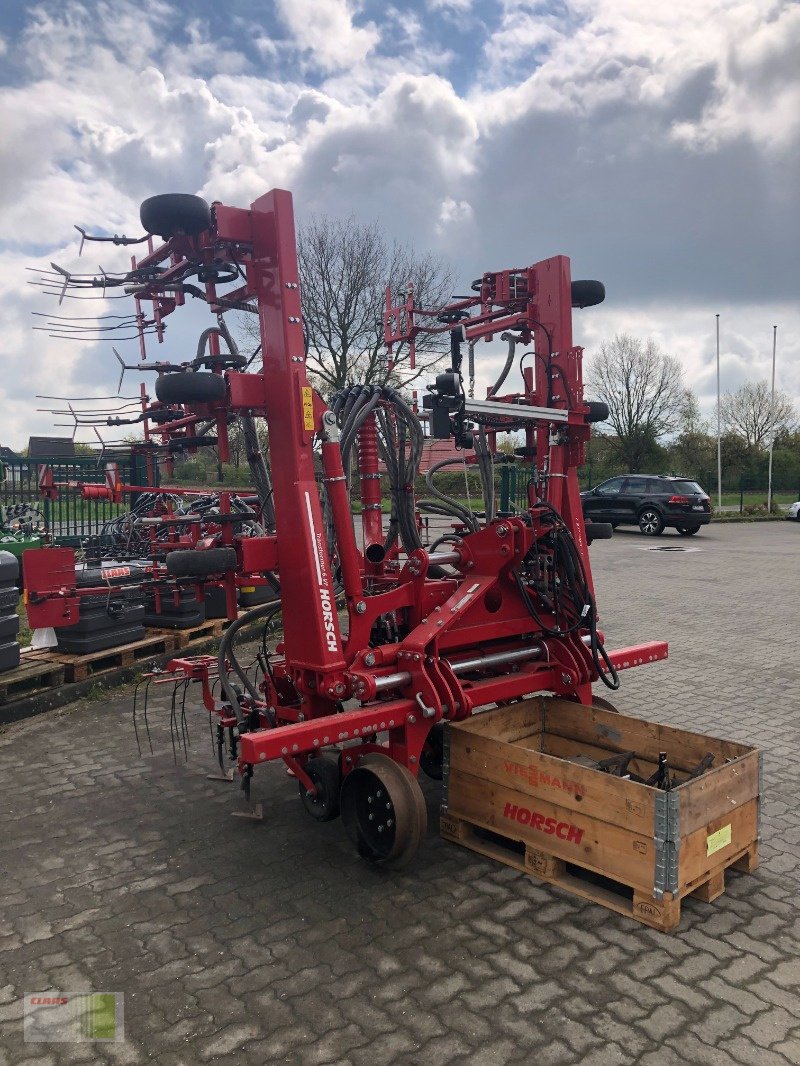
pixel 271 942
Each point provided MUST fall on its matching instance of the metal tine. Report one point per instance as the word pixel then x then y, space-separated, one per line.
pixel 46 287
pixel 96 340
pixel 84 318
pixel 173 722
pixel 146 722
pixel 70 329
pixel 135 728
pixel 184 723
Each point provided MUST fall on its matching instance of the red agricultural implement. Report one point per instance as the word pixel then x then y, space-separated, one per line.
pixel 384 639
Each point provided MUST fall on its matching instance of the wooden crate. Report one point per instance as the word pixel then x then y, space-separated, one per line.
pixel 511 792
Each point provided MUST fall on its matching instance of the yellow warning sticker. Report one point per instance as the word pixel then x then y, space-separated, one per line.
pixel 308 407
pixel 719 840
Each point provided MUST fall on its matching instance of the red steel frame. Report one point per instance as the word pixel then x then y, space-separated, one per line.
pixel 405 687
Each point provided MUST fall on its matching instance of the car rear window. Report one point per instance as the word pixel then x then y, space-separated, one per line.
pixel 687 488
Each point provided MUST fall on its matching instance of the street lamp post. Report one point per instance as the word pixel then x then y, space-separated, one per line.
pixel 772 415
pixel 719 434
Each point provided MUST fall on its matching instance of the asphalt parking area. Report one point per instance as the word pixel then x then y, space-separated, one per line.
pixel 271 942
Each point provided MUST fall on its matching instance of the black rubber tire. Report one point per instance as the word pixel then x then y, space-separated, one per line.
pixel 325 773
pixel 599 531
pixel 588 293
pixel 172 213
pixel 688 531
pixel 191 563
pixel 650 522
pixel 431 761
pixel 598 411
pixel 191 388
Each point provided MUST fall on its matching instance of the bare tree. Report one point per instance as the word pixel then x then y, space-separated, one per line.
pixel 345 266
pixel 751 414
pixel 643 387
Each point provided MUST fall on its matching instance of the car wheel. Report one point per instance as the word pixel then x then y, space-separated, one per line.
pixel 651 523
pixel 688 531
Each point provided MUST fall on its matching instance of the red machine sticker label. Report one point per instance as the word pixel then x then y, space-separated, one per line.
pixel 551 826
pixel 537 778
pixel 326 599
pixel 115 571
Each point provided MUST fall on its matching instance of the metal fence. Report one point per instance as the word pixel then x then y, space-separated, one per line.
pixel 69 519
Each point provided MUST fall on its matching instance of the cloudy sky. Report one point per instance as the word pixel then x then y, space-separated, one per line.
pixel 655 144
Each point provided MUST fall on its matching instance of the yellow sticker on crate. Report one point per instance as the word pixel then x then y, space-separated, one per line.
pixel 308 407
pixel 719 840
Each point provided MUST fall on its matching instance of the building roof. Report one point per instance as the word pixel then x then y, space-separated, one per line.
pixel 8 455
pixel 51 447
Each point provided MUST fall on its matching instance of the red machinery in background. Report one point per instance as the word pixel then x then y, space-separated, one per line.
pixel 383 639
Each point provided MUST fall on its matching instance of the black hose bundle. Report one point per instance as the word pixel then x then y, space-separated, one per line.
pixel 562 589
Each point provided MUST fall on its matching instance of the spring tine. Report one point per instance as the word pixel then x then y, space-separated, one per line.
pixel 146 723
pixel 135 730
pixel 173 723
pixel 184 723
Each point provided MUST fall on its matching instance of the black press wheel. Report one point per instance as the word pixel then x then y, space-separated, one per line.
pixel 172 213
pixel 324 772
pixel 650 522
pixel 688 531
pixel 603 704
pixel 189 562
pixel 190 387
pixel 431 761
pixel 383 810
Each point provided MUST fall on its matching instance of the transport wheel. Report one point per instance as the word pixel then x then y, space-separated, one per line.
pixel 599 530
pixel 197 387
pixel 688 531
pixel 324 772
pixel 383 810
pixel 588 293
pixel 598 411
pixel 603 704
pixel 432 758
pixel 651 523
pixel 191 563
pixel 175 212
pixel 598 701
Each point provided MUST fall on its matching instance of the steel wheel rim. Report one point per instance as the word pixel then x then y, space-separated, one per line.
pixel 649 522
pixel 397 843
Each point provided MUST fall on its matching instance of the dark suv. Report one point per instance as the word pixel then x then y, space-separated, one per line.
pixel 650 501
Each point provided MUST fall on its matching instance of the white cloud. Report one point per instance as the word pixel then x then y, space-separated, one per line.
pixel 325 28
pixel 657 146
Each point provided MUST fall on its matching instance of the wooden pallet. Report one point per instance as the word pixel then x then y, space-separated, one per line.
pixel 660 912
pixel 212 629
pixel 521 785
pixel 32 675
pixel 80 667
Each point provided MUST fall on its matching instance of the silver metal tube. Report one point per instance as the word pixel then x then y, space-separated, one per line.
pixel 392 681
pixel 443 558
pixel 477 662
pixel 498 658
